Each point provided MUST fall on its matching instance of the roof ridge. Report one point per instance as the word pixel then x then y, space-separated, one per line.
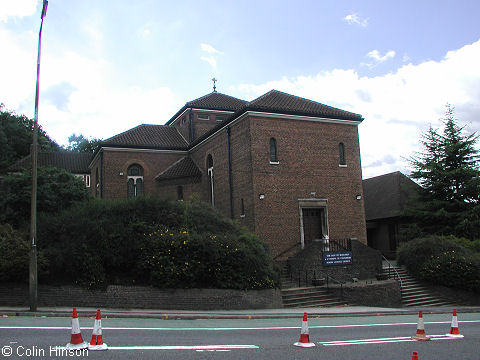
pixel 188 103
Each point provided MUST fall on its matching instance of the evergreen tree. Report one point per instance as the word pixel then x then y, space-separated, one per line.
pixel 449 173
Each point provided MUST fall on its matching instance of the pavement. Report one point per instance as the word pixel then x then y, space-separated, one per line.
pixel 344 311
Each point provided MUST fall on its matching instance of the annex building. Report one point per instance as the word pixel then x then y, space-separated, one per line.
pixel 286 167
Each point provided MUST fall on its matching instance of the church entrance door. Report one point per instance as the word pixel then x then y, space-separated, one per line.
pixel 312 224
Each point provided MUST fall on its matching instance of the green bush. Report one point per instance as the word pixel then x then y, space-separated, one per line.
pixel 97 243
pixel 15 255
pixel 173 259
pixel 453 270
pixel 57 189
pixel 442 261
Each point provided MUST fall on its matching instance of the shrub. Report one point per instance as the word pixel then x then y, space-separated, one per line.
pixel 451 269
pixel 442 261
pixel 97 243
pixel 15 255
pixel 57 189
pixel 173 259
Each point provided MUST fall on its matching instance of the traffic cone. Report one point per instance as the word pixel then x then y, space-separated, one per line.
pixel 421 336
pixel 454 328
pixel 97 342
pixel 415 356
pixel 304 338
pixel 76 341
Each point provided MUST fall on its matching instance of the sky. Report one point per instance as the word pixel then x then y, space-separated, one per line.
pixel 109 66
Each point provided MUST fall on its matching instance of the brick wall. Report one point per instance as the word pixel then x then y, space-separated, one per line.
pixel 366 264
pixel 138 297
pixel 308 159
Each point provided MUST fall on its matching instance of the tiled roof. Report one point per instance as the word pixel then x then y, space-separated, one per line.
pixel 76 163
pixel 149 137
pixel 279 102
pixel 212 101
pixel 183 168
pixel 386 195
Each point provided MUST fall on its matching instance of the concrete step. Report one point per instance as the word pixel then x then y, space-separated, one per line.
pixel 314 303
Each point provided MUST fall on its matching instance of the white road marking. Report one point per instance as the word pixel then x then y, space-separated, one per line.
pixel 186 347
pixel 382 340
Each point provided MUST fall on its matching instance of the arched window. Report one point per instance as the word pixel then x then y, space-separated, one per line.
pixel 210 178
pixel 134 181
pixel 273 151
pixel 341 151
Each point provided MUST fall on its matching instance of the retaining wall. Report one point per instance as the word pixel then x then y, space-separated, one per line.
pixel 116 296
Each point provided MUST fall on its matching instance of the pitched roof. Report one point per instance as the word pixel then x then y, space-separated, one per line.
pixel 282 103
pixel 212 101
pixel 279 102
pixel 183 168
pixel 149 137
pixel 387 195
pixel 76 163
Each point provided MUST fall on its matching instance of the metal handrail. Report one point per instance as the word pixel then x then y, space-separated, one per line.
pixel 390 266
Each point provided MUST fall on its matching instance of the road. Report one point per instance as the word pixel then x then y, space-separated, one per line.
pixel 359 337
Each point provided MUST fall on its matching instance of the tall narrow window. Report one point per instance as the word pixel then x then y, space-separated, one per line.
pixel 180 192
pixel 134 181
pixel 210 178
pixel 341 151
pixel 273 151
pixel 242 208
pixel 97 183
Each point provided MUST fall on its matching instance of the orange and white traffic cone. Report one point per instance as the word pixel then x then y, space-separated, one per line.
pixel 76 341
pixel 415 356
pixel 420 335
pixel 454 328
pixel 97 342
pixel 304 338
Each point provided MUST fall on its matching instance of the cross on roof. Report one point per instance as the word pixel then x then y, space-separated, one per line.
pixel 214 87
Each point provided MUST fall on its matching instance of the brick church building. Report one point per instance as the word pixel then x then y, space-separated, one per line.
pixel 286 167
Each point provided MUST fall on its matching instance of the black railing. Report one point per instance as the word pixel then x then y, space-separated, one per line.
pixel 335 245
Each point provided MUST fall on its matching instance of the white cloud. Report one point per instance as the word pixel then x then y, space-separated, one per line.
pixel 378 58
pixel 397 107
pixel 17 8
pixel 210 49
pixel 375 55
pixel 77 94
pixel 210 59
pixel 355 19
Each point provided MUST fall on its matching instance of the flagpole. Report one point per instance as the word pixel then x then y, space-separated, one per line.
pixel 33 274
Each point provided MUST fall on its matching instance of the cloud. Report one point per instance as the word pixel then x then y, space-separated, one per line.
pixel 378 58
pixel 17 8
pixel 355 19
pixel 210 59
pixel 397 107
pixel 77 93
pixel 210 49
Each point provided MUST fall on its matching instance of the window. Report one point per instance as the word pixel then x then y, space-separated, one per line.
pixel 97 183
pixel 210 178
pixel 220 117
pixel 242 215
pixel 341 151
pixel 203 117
pixel 180 192
pixel 273 151
pixel 87 180
pixel 134 181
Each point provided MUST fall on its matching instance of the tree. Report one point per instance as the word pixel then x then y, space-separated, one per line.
pixel 79 143
pixel 448 171
pixel 57 189
pixel 16 132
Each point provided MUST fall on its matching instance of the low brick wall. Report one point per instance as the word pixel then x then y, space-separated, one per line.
pixel 116 296
pixel 370 293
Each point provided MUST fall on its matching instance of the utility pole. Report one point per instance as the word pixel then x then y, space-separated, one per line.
pixel 33 277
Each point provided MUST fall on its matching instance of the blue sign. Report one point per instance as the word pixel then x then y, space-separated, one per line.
pixel 337 258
